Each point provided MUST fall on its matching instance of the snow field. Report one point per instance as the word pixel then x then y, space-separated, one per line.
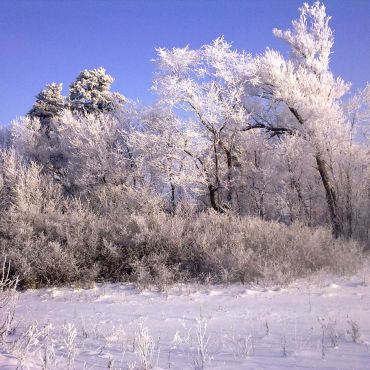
pixel 307 324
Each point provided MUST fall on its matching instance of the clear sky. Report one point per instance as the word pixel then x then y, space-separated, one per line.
pixel 43 41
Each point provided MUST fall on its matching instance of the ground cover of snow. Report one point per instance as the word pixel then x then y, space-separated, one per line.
pixel 322 323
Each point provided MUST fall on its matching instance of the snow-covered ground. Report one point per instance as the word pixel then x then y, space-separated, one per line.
pixel 321 323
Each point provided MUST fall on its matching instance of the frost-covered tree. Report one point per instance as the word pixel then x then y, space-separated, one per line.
pixel 354 169
pixel 44 135
pixel 39 142
pixel 358 111
pixel 90 93
pixel 95 150
pixel 49 104
pixel 160 144
pixel 305 90
pixel 4 137
pixel 36 136
pixel 208 85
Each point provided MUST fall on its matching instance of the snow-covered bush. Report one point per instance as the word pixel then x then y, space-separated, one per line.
pixel 223 248
pixel 8 298
pixel 145 347
pixel 121 233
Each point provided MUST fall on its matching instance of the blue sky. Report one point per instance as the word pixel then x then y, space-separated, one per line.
pixel 43 41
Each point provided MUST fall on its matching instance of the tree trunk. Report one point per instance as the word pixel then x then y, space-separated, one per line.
pixel 173 201
pixel 212 198
pixel 296 186
pixel 331 196
pixel 349 210
pixel 229 177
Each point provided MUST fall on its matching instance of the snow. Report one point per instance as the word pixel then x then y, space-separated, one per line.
pixel 243 327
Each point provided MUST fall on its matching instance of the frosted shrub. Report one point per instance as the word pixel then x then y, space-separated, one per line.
pixel 48 355
pixel 56 246
pixel 354 330
pixel 70 334
pixel 226 248
pixel 115 232
pixel 38 229
pixel 26 345
pixel 8 299
pixel 202 340
pixel 245 346
pixel 145 347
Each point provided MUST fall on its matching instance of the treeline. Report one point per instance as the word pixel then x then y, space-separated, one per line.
pixel 246 168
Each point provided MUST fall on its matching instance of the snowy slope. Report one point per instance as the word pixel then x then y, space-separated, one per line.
pixel 310 324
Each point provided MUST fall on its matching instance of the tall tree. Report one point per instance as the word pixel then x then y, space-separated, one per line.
pixel 49 104
pixel 305 89
pixel 160 147
pixel 90 93
pixel 207 84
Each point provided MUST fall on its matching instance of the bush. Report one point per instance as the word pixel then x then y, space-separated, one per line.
pixel 224 248
pixel 115 233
